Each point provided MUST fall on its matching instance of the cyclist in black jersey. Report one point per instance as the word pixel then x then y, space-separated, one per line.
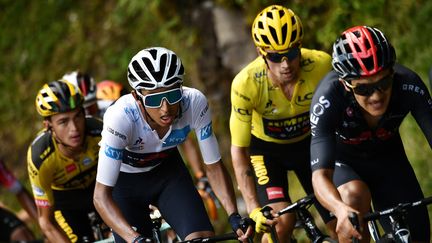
pixel 357 155
pixel 62 163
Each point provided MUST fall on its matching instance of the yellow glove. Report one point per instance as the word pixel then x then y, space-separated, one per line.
pixel 260 220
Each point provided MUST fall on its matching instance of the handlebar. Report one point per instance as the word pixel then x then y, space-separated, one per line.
pixel 397 209
pixel 301 203
pixel 353 218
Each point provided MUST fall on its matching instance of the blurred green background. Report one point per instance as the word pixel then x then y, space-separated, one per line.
pixel 41 40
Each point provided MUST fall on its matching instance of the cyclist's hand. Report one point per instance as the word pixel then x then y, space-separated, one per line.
pixel 261 222
pixel 243 227
pixel 344 228
pixel 141 239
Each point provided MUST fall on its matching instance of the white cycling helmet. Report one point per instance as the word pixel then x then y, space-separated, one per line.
pixel 155 67
pixel 86 85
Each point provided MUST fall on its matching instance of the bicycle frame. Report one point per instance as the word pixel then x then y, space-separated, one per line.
pixel 304 217
pixel 399 228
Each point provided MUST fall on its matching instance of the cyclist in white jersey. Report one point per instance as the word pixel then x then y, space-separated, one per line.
pixel 139 163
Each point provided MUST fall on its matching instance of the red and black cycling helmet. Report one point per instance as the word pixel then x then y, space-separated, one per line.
pixel 362 51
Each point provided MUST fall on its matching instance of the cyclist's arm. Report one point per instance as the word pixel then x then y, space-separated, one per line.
pixel 192 155
pixel 110 212
pixel 244 175
pixel 221 183
pixel 27 202
pixel 49 226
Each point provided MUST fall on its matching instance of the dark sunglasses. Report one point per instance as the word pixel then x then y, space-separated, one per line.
pixel 368 89
pixel 277 57
pixel 154 100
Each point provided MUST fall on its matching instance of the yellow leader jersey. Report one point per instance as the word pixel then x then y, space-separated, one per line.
pixel 50 170
pixel 260 108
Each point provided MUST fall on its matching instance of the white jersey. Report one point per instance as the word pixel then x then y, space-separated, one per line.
pixel 130 145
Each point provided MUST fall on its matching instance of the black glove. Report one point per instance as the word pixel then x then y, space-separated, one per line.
pixel 237 222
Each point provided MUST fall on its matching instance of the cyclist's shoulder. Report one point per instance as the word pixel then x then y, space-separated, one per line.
pixel 41 148
pixel 315 61
pixel 94 126
pixel 252 73
pixel 405 75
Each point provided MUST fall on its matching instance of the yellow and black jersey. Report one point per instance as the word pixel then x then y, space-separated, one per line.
pixel 261 108
pixel 50 170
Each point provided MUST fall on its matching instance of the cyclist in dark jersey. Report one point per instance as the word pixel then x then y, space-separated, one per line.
pixel 357 153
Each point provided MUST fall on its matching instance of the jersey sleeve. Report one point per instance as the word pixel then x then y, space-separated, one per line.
pixel 114 139
pixel 40 180
pixel 324 113
pixel 421 102
pixel 241 111
pixel 202 123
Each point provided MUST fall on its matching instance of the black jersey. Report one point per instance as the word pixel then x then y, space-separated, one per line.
pixel 340 132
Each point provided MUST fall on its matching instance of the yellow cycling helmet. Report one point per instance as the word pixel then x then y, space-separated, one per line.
pixel 277 28
pixel 58 97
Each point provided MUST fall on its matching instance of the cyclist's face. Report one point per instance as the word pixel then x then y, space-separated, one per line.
pixel 376 103
pixel 69 127
pixel 168 100
pixel 285 66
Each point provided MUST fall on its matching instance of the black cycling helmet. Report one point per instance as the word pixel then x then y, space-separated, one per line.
pixel 362 51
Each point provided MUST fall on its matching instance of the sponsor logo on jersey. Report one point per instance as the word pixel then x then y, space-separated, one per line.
pixel 132 113
pixel 413 88
pixel 86 161
pixel 287 128
pixel 176 136
pixel 70 168
pixel 42 203
pixel 317 110
pixel 206 131
pixel 305 100
pixel 241 114
pixel 307 64
pixel 139 141
pixel 260 169
pixel 116 133
pixel 242 96
pixel 274 193
pixel 65 226
pixel 204 111
pixel 315 161
pixel 113 153
pixel 38 191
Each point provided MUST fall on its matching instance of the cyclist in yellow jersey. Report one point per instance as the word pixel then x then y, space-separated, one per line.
pixel 269 123
pixel 62 163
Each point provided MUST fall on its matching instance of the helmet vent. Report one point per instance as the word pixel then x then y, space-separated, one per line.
pixel 293 36
pixel 273 34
